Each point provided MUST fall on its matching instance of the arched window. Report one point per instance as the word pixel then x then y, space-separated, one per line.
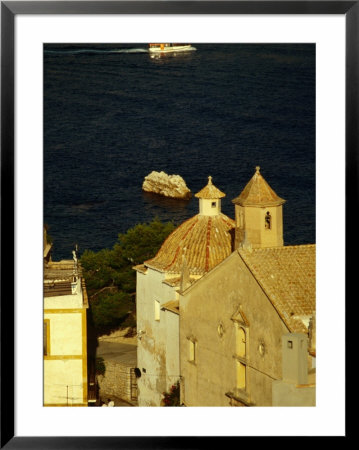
pixel 241 341
pixel 241 219
pixel 268 221
pixel 241 352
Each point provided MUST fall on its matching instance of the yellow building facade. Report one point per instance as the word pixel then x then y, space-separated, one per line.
pixel 235 316
pixel 65 335
pixel 239 312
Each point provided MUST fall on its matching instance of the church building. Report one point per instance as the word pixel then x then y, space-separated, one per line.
pixel 191 251
pixel 221 300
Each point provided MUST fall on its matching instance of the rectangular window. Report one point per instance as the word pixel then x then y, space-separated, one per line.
pixel 46 330
pixel 157 310
pixel 241 375
pixel 192 350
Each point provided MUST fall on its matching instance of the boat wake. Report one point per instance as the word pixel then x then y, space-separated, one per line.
pixel 74 51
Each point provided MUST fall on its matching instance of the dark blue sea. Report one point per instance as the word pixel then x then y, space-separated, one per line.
pixel 113 114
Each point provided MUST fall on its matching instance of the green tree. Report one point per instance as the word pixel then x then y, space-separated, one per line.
pixel 110 278
pixel 97 272
pixel 143 241
pixel 110 309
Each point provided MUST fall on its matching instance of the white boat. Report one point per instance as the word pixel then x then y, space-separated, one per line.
pixel 169 48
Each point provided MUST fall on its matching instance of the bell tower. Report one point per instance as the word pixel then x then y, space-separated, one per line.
pixel 258 214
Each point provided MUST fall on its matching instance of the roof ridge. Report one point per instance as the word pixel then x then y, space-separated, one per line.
pixel 279 247
pixel 288 280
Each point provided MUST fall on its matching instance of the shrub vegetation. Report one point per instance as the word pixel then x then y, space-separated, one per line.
pixel 110 278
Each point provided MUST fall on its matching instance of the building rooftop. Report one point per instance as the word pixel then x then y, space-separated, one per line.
pixel 176 281
pixel 60 270
pixel 140 268
pixel 63 285
pixel 210 191
pixel 58 277
pixel 287 276
pixel 258 193
pixel 204 241
pixel 57 288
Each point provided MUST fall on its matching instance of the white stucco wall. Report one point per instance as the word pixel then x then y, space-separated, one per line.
pixel 154 338
pixel 172 348
pixel 209 207
pixel 73 301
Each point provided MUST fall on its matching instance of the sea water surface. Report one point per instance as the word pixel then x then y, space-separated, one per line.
pixel 113 114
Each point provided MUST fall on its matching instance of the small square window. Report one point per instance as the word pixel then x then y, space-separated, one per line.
pixel 290 344
pixel 214 204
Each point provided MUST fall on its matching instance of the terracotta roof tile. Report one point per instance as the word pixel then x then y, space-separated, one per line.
pixel 287 275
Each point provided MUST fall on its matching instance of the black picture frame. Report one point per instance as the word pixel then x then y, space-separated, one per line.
pixel 9 9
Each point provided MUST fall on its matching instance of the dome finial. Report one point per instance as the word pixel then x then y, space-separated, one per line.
pixel 210 191
pixel 258 169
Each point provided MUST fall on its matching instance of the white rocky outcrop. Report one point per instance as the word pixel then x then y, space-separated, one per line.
pixel 160 183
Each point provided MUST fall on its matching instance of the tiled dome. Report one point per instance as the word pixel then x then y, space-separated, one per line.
pixel 204 241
